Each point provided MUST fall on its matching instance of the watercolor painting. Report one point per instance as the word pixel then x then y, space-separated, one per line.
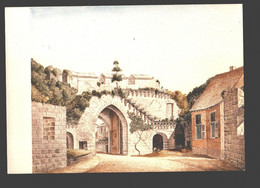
pixel 151 88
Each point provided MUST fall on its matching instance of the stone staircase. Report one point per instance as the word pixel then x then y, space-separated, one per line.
pixel 148 118
pixel 140 110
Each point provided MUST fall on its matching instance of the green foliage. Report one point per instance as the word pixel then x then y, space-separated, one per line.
pixel 116 77
pixel 116 69
pixel 55 72
pixel 119 92
pixel 95 93
pixel 98 84
pixel 139 127
pixel 147 89
pixel 61 93
pixel 38 96
pixel 137 124
pixel 196 92
pixel 186 102
pixel 115 63
pixel 57 93
pixel 36 67
pixel 181 101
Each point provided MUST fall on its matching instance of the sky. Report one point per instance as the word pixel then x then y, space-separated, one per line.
pixel 181 45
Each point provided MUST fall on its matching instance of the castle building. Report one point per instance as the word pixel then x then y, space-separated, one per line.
pixel 91 81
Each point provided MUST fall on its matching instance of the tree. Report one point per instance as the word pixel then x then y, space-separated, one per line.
pixel 116 76
pixel 138 126
pixel 196 92
pixel 181 101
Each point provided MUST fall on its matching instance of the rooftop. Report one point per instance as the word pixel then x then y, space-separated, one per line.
pixel 212 94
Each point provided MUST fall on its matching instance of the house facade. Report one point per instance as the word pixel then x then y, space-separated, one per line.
pixel 209 114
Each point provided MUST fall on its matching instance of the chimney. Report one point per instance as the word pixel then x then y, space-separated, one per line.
pixel 231 68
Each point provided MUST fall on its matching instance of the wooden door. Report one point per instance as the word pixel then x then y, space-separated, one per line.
pixel 115 135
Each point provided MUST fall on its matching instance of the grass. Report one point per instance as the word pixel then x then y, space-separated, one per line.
pixel 77 152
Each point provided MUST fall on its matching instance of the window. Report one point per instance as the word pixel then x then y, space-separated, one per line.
pixel 200 129
pixel 48 128
pixel 131 80
pixel 214 125
pixel 213 116
pixel 83 145
pixel 198 119
pixel 213 129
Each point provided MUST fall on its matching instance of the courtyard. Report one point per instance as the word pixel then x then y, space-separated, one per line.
pixel 164 161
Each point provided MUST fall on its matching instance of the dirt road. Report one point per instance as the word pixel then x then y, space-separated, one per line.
pixel 117 163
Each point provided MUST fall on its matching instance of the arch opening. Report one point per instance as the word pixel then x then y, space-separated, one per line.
pixel 69 141
pixel 110 126
pixel 157 142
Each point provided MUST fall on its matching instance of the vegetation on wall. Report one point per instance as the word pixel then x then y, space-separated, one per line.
pixel 59 93
pixel 139 127
pixel 181 101
pixel 186 102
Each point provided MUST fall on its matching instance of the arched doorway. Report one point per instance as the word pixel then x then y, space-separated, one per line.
pixel 109 133
pixel 157 142
pixel 69 140
pixel 179 136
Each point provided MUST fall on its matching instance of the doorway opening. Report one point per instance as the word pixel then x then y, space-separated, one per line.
pixel 157 142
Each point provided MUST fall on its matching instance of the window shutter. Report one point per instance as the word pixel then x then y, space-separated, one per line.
pixel 217 130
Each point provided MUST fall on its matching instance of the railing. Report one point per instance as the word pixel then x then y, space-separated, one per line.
pixel 147 93
pixel 163 125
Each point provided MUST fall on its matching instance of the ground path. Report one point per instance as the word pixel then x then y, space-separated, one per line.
pixel 118 163
pixel 162 162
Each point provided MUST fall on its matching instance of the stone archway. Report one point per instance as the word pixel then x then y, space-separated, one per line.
pixel 157 142
pixel 69 140
pixel 160 140
pixel 114 121
pixel 87 123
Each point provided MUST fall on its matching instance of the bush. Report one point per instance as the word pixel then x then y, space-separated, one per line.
pixel 56 92
pixel 116 77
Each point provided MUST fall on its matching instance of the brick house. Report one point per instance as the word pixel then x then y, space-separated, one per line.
pixel 208 114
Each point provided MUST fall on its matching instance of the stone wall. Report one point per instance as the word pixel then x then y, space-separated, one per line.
pixel 158 105
pixel 87 126
pixel 48 137
pixel 234 145
pixel 188 135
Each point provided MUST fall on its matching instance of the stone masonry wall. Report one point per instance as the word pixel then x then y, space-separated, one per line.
pixel 234 146
pixel 86 128
pixel 48 137
pixel 188 135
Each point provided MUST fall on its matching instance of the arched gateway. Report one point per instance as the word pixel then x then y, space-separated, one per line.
pixel 112 133
pixel 105 126
pixel 112 112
